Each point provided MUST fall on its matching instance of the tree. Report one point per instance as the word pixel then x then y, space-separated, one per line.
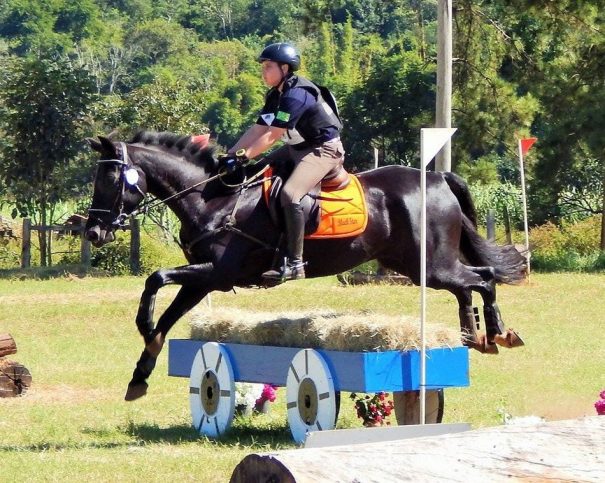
pixel 388 109
pixel 43 115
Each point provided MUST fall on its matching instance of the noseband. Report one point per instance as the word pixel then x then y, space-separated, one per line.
pixel 117 208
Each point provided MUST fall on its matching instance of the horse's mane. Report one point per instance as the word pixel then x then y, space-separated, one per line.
pixel 196 153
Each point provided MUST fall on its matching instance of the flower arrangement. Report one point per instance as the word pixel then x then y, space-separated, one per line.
pixel 249 396
pixel 600 404
pixel 373 410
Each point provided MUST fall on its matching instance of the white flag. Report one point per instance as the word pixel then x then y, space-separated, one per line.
pixel 432 140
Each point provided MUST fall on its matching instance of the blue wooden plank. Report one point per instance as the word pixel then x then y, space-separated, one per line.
pixel 383 371
pixel 352 371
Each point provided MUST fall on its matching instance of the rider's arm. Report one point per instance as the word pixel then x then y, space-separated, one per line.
pixel 264 142
pixel 249 137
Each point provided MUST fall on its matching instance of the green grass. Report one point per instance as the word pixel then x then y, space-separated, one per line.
pixel 79 340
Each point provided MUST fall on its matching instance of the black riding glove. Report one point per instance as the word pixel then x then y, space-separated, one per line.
pixel 232 161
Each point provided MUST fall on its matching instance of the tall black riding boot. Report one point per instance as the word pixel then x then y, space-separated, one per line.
pixel 293 267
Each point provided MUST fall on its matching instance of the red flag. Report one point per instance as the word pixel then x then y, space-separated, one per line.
pixel 526 144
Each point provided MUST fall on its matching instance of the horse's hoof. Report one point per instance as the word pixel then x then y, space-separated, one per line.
pixel 135 391
pixel 509 340
pixel 485 347
pixel 482 345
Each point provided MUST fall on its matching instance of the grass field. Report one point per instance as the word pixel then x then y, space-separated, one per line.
pixel 78 339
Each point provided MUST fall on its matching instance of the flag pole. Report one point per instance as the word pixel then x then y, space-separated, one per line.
pixel 524 197
pixel 422 279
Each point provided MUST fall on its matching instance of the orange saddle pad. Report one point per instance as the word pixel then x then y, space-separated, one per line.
pixel 343 212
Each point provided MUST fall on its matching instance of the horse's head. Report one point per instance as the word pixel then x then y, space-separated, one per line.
pixel 119 187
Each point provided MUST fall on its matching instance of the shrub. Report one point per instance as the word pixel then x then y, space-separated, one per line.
pixel 10 253
pixel 569 247
pixel 157 252
pixel 114 257
pixel 497 197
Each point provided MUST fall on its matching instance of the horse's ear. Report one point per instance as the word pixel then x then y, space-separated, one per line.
pixel 201 140
pixel 94 144
pixel 107 147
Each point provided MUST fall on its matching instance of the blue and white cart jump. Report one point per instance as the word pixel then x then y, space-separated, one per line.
pixel 313 378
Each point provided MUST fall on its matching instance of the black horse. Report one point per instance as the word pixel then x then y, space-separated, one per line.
pixel 229 238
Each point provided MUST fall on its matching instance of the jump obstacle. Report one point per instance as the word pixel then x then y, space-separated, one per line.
pixel 313 379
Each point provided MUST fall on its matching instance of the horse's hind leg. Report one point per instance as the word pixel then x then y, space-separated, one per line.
pixel 470 338
pixel 494 325
pixel 459 280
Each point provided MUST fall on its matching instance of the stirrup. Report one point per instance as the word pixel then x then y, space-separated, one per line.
pixel 290 270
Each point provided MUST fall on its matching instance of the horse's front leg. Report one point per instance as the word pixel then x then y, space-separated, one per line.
pixel 195 286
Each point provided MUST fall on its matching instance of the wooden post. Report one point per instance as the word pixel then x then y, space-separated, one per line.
pixel 443 117
pixel 491 225
pixel 135 246
pixel 84 250
pixel 49 246
pixel 407 407
pixel 26 244
pixel 509 236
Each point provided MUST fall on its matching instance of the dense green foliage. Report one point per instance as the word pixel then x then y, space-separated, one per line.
pixel 86 67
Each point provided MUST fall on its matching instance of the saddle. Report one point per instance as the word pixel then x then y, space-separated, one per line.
pixel 336 208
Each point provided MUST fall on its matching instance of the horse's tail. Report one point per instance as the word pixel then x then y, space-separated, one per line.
pixel 462 194
pixel 509 264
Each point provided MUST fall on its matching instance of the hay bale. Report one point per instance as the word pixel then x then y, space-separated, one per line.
pixel 350 332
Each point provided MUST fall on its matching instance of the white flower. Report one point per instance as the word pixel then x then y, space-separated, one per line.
pixel 246 393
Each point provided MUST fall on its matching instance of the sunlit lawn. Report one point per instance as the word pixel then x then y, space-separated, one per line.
pixel 79 340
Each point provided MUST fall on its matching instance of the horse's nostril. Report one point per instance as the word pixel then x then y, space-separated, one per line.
pixel 92 235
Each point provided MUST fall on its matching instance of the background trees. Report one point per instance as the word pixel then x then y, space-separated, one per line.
pixel 522 67
pixel 44 106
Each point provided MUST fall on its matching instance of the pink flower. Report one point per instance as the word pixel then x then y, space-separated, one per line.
pixel 600 407
pixel 602 394
pixel 269 394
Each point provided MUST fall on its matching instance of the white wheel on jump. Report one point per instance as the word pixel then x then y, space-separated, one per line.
pixel 311 401
pixel 212 390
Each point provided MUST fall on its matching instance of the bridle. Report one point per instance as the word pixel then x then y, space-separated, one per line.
pixel 117 208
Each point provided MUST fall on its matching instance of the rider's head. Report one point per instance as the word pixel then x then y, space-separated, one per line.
pixel 278 60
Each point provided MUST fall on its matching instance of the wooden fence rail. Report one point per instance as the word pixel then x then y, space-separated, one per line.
pixel 85 253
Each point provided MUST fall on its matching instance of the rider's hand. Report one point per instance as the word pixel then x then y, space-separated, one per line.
pixel 232 161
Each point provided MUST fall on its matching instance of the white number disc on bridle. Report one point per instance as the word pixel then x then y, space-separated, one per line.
pixel 310 397
pixel 212 390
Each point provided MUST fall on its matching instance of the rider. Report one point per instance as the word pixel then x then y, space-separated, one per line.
pixel 304 116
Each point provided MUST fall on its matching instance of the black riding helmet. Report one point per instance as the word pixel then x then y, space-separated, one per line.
pixel 282 53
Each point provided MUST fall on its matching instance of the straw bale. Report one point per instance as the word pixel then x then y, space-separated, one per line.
pixel 350 332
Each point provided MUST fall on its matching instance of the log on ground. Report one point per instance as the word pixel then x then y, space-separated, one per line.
pixel 15 379
pixel 555 451
pixel 7 345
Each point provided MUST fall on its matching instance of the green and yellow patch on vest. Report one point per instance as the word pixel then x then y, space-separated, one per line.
pixel 282 116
